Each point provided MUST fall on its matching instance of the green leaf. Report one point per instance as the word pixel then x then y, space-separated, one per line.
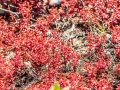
pixel 102 28
pixel 65 88
pixel 56 86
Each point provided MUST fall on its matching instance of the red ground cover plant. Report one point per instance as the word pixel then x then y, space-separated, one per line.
pixel 33 54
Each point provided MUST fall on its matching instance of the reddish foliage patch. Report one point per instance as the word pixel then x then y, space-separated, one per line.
pixel 31 38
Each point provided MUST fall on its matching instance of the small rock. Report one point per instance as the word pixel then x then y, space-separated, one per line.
pixel 108 36
pixel 55 2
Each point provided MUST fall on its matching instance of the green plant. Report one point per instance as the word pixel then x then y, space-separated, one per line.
pixel 56 86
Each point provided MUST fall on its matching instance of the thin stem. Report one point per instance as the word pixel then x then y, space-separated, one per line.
pixel 5 10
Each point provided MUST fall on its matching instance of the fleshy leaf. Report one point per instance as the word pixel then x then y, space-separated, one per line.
pixel 56 86
pixel 65 88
